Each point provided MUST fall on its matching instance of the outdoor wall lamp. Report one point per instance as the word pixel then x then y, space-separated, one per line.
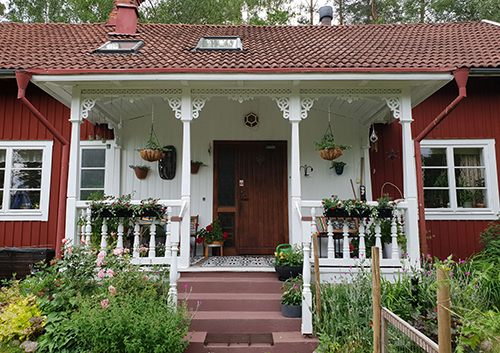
pixel 306 169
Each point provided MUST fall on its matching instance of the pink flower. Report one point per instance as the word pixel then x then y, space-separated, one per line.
pixel 185 286
pixel 83 241
pixel 101 273
pixel 99 263
pixel 112 290
pixel 110 273
pixel 117 251
pixel 105 303
pixel 65 240
pixel 467 273
pixel 462 261
pixel 70 250
pixel 126 251
pixel 145 278
pixel 101 255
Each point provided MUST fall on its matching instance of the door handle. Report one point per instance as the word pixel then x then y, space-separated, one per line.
pixel 243 198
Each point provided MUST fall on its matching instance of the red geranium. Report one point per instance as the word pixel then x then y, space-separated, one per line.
pixel 209 228
pixel 224 235
pixel 199 240
pixel 211 233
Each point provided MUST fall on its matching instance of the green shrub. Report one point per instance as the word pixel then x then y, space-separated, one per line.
pixel 20 316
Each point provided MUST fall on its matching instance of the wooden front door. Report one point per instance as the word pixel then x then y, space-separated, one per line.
pixel 250 195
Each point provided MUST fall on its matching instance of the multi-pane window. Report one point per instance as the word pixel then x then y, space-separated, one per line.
pixel 459 176
pixel 93 163
pixel 24 180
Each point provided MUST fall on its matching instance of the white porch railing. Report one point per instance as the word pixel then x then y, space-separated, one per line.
pixel 172 237
pixel 338 253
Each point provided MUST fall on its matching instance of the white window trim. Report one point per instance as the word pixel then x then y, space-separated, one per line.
pixel 108 167
pixel 41 214
pixel 490 213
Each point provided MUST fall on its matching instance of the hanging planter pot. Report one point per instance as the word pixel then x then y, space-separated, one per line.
pixel 151 155
pixel 327 148
pixel 331 153
pixel 141 171
pixel 339 167
pixel 195 166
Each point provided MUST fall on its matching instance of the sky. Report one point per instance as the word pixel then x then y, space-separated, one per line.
pixel 295 4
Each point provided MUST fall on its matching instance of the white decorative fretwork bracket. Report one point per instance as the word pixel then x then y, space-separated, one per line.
pixel 87 105
pixel 198 103
pixel 394 104
pixel 175 104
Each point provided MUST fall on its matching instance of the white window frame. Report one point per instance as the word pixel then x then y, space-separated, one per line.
pixel 109 147
pixel 491 181
pixel 41 214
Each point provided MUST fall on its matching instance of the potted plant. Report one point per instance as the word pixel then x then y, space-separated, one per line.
pixel 386 206
pixel 212 234
pixel 328 149
pixel 195 166
pixel 141 171
pixel 289 261
pixel 115 207
pixel 339 167
pixel 291 299
pixel 153 151
pixel 335 207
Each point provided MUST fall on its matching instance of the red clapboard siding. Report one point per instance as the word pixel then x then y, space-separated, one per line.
pixel 477 116
pixel 17 123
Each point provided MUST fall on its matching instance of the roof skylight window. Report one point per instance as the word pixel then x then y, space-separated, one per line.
pixel 121 46
pixel 219 43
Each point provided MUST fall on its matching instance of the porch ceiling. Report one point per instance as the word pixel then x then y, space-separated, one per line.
pixel 112 107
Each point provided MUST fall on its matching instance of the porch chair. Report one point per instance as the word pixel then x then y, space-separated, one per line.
pixel 338 232
pixel 194 230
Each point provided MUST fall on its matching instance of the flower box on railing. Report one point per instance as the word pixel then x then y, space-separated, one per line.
pixel 385 212
pixel 343 213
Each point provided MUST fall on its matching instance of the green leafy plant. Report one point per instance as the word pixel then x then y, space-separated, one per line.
pixel 338 164
pixel 153 144
pixel 328 142
pixel 201 164
pixel 292 257
pixel 351 206
pixel 292 291
pixel 212 233
pixel 139 166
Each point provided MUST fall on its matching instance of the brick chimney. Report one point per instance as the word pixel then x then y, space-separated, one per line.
pixel 124 16
pixel 114 14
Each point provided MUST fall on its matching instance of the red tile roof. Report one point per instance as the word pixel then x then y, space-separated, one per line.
pixel 271 48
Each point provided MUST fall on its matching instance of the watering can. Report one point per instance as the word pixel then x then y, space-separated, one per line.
pixel 283 248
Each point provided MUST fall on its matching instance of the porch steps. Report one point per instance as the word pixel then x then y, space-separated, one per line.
pixel 240 312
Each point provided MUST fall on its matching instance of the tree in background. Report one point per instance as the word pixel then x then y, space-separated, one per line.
pixel 164 11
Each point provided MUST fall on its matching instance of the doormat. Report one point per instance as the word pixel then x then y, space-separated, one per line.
pixel 239 261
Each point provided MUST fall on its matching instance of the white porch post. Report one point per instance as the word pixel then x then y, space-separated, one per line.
pixel 74 167
pixel 410 180
pixel 186 118
pixel 296 193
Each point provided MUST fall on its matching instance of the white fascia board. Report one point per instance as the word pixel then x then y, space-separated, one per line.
pixel 283 77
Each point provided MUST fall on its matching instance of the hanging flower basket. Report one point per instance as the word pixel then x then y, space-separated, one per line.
pixel 151 155
pixel 330 154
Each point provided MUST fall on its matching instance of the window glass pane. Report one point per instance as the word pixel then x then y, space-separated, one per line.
pixel 468 198
pixel 227 221
pixel 93 158
pixel 21 199
pixel 467 157
pixel 27 158
pixel 1 199
pixel 2 178
pixel 435 177
pixel 436 199
pixel 92 178
pixel 226 176
pixel 26 179
pixel 2 158
pixel 85 194
pixel 433 156
pixel 469 177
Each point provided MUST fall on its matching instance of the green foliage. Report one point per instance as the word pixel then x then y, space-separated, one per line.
pixel 289 256
pixel 328 142
pixel 346 310
pixel 20 316
pixel 130 322
pixel 292 291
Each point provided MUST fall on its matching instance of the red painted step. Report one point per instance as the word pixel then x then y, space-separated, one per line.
pixel 240 312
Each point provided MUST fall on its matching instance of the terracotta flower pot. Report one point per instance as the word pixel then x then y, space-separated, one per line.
pixel 141 173
pixel 195 167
